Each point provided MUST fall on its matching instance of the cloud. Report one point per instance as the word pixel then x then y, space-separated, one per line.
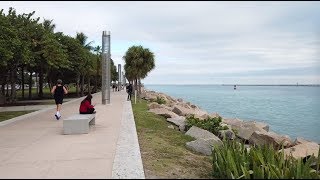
pixel 198 41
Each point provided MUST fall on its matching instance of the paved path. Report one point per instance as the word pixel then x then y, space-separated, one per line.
pixel 32 107
pixel 33 146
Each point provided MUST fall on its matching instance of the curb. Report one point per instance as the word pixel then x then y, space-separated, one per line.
pixel 127 162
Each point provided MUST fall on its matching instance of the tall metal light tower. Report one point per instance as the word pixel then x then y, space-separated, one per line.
pixel 123 79
pixel 105 64
pixel 119 77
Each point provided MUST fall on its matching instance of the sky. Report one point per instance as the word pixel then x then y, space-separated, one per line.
pixel 200 42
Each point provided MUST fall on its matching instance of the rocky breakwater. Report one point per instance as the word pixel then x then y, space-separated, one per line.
pixel 251 132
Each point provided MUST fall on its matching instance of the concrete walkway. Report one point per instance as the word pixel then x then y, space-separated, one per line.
pixel 33 146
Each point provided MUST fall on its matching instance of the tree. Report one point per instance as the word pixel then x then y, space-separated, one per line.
pixel 139 62
pixel 82 39
pixel 98 52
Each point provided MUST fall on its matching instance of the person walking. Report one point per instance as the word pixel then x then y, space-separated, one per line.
pixel 58 92
pixel 86 107
pixel 129 91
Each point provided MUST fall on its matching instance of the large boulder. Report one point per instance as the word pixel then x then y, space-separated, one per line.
pixel 183 104
pixel 245 129
pixel 164 112
pixel 166 107
pixel 199 133
pixel 179 121
pixel 226 134
pixel 303 150
pixel 202 117
pixel 300 140
pixel 232 122
pixel 265 138
pixel 214 115
pixel 149 95
pixel 260 125
pixel 203 146
pixel 182 111
pixel 154 105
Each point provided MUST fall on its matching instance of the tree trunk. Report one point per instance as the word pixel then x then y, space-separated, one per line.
pixel 77 85
pixel 82 86
pixel 3 89
pixel 37 82
pixel 30 85
pixel 89 88
pixel 8 77
pixel 40 95
pixel 13 84
pixel 22 79
pixel 3 85
pixel 136 85
pixel 139 86
pixel 97 76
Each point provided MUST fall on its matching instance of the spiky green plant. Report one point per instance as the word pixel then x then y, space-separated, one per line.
pixel 233 160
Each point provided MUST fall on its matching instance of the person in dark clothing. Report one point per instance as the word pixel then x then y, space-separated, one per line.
pixel 86 107
pixel 113 87
pixel 58 92
pixel 129 91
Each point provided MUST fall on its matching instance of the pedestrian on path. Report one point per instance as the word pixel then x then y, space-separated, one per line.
pixel 86 107
pixel 58 92
pixel 129 91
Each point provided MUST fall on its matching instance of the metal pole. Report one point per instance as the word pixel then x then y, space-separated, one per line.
pixel 103 69
pixel 108 67
pixel 119 77
pixel 123 79
pixel 105 65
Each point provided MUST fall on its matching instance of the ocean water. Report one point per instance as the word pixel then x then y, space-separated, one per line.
pixel 289 110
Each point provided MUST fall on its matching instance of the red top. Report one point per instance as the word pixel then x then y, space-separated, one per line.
pixel 85 106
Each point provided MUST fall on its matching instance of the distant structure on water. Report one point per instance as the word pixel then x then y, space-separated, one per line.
pixel 235 87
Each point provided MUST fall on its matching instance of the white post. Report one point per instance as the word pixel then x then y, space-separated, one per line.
pixel 105 65
pixel 135 96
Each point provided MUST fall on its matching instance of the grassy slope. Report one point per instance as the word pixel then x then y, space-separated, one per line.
pixel 163 150
pixel 8 115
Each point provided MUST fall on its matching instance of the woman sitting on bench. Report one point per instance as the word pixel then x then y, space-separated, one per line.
pixel 86 107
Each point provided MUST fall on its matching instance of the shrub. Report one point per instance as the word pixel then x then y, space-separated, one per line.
pixel 160 100
pixel 233 160
pixel 210 124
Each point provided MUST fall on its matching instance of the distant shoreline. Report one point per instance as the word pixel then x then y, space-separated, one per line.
pixel 317 85
pixel 313 85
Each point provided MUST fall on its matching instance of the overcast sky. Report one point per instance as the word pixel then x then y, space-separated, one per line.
pixel 201 42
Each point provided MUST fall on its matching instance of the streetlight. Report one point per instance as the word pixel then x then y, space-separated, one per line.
pixel 119 77
pixel 105 65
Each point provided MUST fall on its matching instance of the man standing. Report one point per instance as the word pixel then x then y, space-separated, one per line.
pixel 58 91
pixel 129 91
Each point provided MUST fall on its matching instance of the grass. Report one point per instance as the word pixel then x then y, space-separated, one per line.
pixel 163 150
pixel 46 92
pixel 11 114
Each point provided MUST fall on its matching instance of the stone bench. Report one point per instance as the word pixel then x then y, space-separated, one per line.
pixel 78 123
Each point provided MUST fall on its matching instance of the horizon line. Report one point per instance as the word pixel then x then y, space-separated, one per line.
pixel 242 84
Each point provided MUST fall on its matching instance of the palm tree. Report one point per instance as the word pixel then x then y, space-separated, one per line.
pixel 82 39
pixel 98 51
pixel 47 25
pixel 139 62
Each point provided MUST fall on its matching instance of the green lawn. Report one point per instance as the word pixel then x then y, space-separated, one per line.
pixel 11 114
pixel 163 150
pixel 46 92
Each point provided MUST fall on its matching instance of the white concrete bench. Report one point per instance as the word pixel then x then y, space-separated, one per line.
pixel 78 123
